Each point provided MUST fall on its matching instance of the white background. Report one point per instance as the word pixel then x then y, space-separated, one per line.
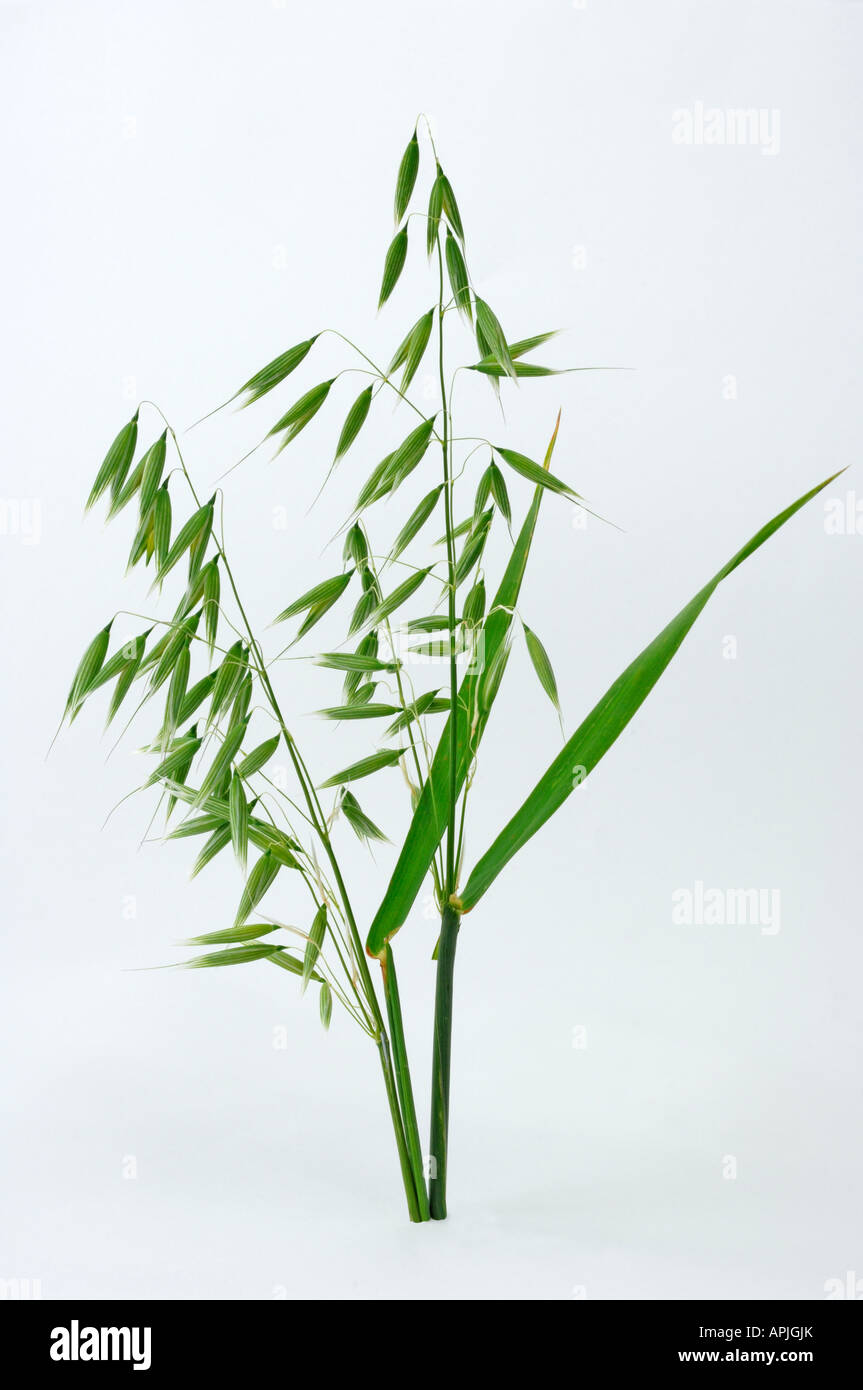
pixel 191 188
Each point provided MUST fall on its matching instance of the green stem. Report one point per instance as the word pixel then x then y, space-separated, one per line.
pixel 439 1140
pixel 403 1080
pixel 439 1137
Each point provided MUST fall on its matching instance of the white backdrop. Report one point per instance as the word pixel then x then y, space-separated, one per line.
pixel 640 1109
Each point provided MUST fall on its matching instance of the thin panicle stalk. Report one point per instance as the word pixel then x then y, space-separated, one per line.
pixel 319 822
pixel 398 1128
pixel 403 1080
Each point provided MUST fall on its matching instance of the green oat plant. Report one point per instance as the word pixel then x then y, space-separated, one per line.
pixel 220 718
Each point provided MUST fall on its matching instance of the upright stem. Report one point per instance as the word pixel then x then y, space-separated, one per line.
pixel 441 1063
pixel 439 1136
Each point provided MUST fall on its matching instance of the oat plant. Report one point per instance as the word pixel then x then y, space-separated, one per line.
pixel 219 703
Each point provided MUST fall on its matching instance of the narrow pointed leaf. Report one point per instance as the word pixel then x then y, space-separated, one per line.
pixel 212 586
pixel 124 684
pixel 197 695
pixel 418 342
pixel 227 678
pixel 116 463
pixel 354 661
pixel 199 524
pixel 259 757
pixel 222 762
pixel 175 759
pixel 89 667
pixel 428 703
pixel 356 547
pixel 449 204
pixel 162 525
pixel 415 522
pixel 435 622
pixel 499 492
pixel 540 477
pixel 197 825
pixel 154 464
pixel 394 264
pixel 301 412
pixel 434 212
pixel 362 694
pixel 407 177
pixel 242 701
pixel 474 605
pixel 177 691
pixel 400 595
pixel 520 369
pixel 458 278
pixel 327 592
pixel 325 1004
pixel 411 450
pixel 359 711
pixel 378 483
pixel 542 666
pixel 491 333
pixel 128 490
pixel 259 881
pixel 232 955
pixel 314 943
pixel 215 844
pixel 360 823
pixel 387 757
pixel 231 935
pixel 286 961
pixel 275 371
pixel 473 547
pixel 354 422
pixel 239 818
pixel 266 836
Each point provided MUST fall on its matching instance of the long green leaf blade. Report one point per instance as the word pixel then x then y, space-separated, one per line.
pixel 607 720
